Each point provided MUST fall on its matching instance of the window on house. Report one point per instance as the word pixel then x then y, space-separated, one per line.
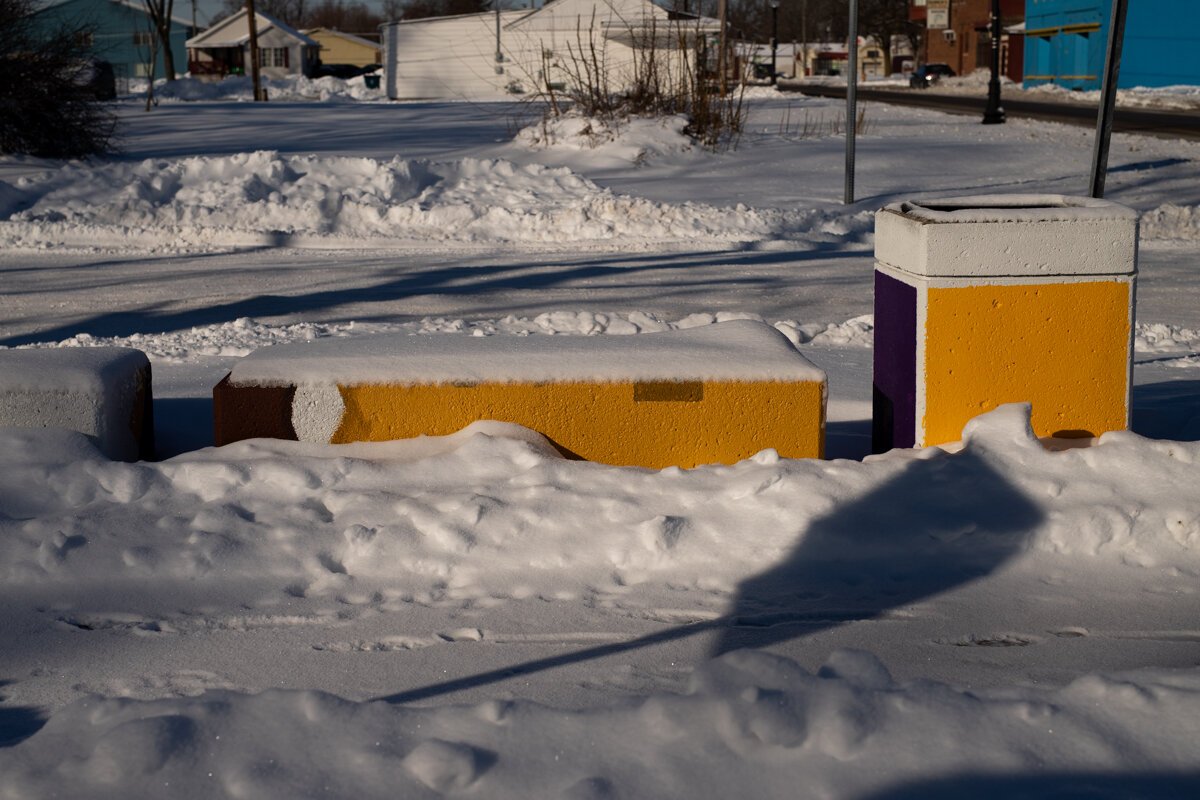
pixel 273 57
pixel 143 38
pixel 84 38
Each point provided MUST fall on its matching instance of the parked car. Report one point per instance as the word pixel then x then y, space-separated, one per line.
pixel 343 71
pixel 762 72
pixel 928 75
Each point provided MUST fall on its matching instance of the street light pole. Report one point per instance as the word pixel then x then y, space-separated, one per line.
pixel 994 113
pixel 774 39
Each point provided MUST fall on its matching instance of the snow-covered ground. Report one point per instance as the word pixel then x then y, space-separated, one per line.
pixel 335 90
pixel 241 88
pixel 474 614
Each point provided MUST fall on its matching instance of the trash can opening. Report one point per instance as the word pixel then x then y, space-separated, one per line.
pixel 1009 207
pixel 948 208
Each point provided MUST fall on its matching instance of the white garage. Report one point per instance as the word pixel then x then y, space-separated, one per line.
pixel 514 53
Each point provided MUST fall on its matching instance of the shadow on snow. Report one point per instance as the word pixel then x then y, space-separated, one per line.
pixel 941 523
pixel 18 723
pixel 667 273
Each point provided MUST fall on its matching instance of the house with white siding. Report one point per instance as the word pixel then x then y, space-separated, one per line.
pixel 224 49
pixel 512 53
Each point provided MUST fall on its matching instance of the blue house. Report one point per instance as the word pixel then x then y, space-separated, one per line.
pixel 120 33
pixel 1065 43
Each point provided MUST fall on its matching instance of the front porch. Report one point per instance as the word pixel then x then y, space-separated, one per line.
pixel 215 63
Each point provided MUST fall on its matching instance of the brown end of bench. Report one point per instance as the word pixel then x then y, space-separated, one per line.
pixel 250 412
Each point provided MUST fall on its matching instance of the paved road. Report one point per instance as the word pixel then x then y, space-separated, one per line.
pixel 1168 124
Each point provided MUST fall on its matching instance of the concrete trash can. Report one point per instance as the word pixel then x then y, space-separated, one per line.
pixel 986 300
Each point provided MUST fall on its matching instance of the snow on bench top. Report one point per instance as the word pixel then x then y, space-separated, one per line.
pixel 90 370
pixel 728 351
pixel 1011 208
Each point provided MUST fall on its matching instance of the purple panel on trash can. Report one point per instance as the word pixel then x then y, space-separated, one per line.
pixel 894 393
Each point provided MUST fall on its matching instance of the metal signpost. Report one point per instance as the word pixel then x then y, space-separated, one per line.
pixel 851 100
pixel 499 52
pixel 1108 97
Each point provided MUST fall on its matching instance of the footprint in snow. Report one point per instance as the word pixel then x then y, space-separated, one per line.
pixel 447 766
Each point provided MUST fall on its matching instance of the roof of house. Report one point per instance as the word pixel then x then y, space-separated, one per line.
pixel 505 17
pixel 635 15
pixel 139 5
pixel 135 5
pixel 312 33
pixel 622 10
pixel 234 31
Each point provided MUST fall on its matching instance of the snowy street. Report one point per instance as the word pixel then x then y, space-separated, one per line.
pixel 475 614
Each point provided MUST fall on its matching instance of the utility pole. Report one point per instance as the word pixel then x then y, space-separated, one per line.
pixel 851 100
pixel 994 113
pixel 1108 96
pixel 499 53
pixel 252 21
pixel 804 35
pixel 721 11
pixel 774 38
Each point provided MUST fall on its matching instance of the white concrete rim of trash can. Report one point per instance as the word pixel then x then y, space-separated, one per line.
pixel 1053 236
pixel 994 208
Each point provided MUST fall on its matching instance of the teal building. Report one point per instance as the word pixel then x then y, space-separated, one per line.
pixel 120 33
pixel 1065 43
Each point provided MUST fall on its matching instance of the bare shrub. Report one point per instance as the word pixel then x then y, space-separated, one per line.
pixel 818 125
pixel 663 77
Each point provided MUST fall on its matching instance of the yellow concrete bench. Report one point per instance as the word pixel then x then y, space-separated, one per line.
pixel 715 394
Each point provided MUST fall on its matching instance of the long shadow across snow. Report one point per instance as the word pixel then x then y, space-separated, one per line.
pixel 420 130
pixel 941 523
pixel 455 280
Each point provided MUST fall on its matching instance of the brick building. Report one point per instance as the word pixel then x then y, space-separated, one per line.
pixel 958 34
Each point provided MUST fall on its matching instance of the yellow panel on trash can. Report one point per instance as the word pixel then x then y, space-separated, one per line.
pixel 1061 346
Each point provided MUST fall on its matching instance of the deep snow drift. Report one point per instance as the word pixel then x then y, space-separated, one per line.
pixel 218 201
pixel 491 517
